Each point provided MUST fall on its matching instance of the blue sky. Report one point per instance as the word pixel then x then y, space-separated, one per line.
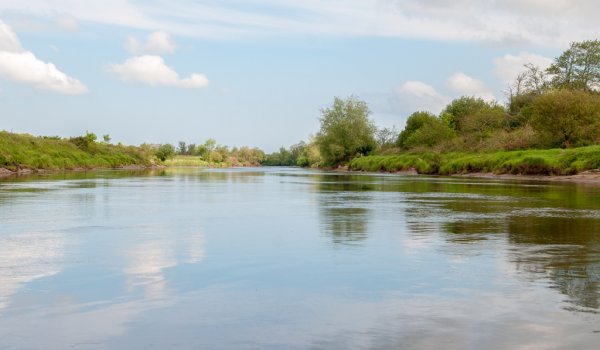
pixel 258 72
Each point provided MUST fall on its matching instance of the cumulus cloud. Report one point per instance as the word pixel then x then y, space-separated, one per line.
pixel 418 96
pixel 23 67
pixel 509 66
pixel 152 70
pixel 156 43
pixel 469 86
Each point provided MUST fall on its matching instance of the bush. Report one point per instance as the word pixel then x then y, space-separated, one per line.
pixel 567 118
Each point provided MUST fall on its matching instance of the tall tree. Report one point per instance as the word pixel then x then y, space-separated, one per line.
pixel 346 131
pixel 578 67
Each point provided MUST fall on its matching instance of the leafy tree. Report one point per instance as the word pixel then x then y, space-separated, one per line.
pixel 529 84
pixel 578 67
pixel 469 114
pixel 386 137
pixel 567 117
pixel 90 137
pixel 206 150
pixel 423 129
pixel 106 138
pixel 461 107
pixel 164 152
pixel 346 131
pixel 182 148
pixel 85 143
pixel 191 149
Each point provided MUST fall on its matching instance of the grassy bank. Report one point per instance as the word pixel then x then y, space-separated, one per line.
pixel 527 162
pixel 23 151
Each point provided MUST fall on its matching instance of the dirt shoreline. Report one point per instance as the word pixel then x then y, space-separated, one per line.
pixel 4 172
pixel 587 177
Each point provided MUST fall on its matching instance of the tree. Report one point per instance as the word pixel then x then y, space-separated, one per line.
pixel 191 149
pixel 182 148
pixel 164 152
pixel 578 67
pixel 460 108
pixel 386 137
pixel 106 138
pixel 346 131
pixel 567 117
pixel 423 129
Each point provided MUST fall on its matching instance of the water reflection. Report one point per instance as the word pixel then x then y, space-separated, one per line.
pixel 343 207
pixel 215 258
pixel 27 257
pixel 551 231
pixel 564 250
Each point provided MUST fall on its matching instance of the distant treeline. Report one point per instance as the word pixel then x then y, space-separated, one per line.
pixel 557 107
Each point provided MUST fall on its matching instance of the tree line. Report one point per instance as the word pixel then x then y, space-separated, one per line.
pixel 545 108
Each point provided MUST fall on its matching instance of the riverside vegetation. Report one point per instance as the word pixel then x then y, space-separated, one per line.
pixel 549 125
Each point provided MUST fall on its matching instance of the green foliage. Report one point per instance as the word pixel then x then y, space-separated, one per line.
pixel 246 156
pixel 165 151
pixel 106 138
pixel 578 67
pixel 386 138
pixel 346 131
pixel 283 157
pixel 27 151
pixel 182 148
pixel 567 117
pixel 423 129
pixel 530 162
pixel 459 108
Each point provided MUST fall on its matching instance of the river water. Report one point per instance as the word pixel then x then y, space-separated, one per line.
pixel 283 258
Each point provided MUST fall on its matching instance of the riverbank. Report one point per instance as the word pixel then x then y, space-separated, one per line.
pixel 25 154
pixel 544 163
pixel 4 172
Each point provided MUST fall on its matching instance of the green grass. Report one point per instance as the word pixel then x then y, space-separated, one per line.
pixel 193 161
pixel 527 162
pixel 33 152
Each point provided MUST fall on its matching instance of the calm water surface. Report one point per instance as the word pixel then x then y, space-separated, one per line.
pixel 282 258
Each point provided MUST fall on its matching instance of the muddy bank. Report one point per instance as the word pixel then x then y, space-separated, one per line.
pixel 590 176
pixel 4 172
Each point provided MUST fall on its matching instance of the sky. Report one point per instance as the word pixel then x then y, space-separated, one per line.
pixel 258 72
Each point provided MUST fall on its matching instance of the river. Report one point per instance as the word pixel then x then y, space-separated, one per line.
pixel 285 258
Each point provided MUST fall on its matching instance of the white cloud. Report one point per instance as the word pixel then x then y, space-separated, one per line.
pixel 418 96
pixel 465 85
pixel 8 39
pixel 156 43
pixel 23 67
pixel 152 70
pixel 549 23
pixel 509 66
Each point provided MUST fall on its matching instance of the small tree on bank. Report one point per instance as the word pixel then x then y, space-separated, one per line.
pixel 165 152
pixel 346 131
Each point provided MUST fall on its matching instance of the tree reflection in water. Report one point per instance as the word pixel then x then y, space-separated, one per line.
pixel 343 207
